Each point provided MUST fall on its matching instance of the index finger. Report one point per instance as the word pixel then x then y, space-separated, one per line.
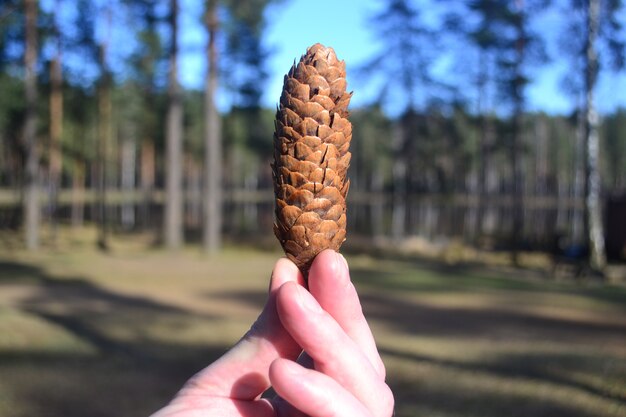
pixel 329 282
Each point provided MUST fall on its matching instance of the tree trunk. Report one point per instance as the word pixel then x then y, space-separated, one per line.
pixel 399 175
pixel 56 127
pixel 250 208
pixel 516 171
pixel 213 140
pixel 538 185
pixel 174 179
pixel 378 204
pixel 147 180
pixel 490 224
pixel 578 228
pixel 516 148
pixel 562 209
pixel 4 160
pixel 78 193
pixel 594 183
pixel 104 135
pixel 31 194
pixel 486 145
pixel 127 180
pixel 194 184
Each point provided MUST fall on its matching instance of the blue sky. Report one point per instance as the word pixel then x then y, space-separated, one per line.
pixel 300 23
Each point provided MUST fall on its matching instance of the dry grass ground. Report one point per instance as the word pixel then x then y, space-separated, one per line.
pixel 89 334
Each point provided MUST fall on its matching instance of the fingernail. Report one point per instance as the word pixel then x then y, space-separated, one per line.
pixel 343 275
pixel 308 302
pixel 344 261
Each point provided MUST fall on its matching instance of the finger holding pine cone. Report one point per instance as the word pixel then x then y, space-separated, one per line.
pixel 311 157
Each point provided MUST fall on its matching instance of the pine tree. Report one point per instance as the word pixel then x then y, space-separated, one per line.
pixel 31 196
pixel 601 46
pixel 402 67
pixel 105 84
pixel 240 68
pixel 213 137
pixel 56 120
pixel 174 195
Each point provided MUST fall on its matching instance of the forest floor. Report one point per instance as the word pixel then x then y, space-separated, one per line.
pixel 86 333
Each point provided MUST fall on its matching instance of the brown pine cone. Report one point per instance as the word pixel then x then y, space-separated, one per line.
pixel 311 157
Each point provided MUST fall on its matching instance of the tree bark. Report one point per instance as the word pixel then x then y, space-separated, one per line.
pixel 378 204
pixel 537 180
pixel 593 202
pixel 474 213
pixel 486 145
pixel 174 179
pixel 56 126
pixel 213 140
pixel 194 184
pixel 147 180
pixel 516 148
pixel 250 208
pixel 31 194
pixel 578 228
pixel 78 193
pixel 104 138
pixel 149 130
pixel 399 175
pixel 127 179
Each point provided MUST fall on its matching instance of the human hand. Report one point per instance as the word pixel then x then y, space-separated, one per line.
pixel 340 373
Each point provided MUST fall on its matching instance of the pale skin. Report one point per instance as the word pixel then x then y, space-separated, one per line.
pixel 340 373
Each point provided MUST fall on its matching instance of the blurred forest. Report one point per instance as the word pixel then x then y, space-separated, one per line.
pixel 95 127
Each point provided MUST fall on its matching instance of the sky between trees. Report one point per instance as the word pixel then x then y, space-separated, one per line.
pixel 347 26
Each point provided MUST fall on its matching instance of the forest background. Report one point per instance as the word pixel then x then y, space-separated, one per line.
pixel 136 201
pixel 154 116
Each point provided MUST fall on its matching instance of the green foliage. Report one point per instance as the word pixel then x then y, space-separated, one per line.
pixel 11 104
pixel 11 34
pixel 244 54
pixel 371 143
pixel 79 125
pixel 12 109
pixel 193 124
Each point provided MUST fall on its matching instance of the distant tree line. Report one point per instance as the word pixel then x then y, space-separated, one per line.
pixel 95 124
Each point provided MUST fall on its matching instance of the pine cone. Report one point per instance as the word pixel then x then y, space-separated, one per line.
pixel 311 157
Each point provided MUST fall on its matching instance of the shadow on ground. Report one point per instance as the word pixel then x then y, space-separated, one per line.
pixel 124 366
pixel 577 363
pixel 468 277
pixel 120 368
